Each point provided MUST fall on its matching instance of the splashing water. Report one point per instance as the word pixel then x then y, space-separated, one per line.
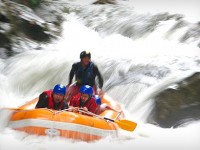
pixel 133 70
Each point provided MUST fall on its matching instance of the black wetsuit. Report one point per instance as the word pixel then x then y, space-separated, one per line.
pixel 82 74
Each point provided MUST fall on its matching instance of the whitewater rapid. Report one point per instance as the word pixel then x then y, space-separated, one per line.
pixel 133 70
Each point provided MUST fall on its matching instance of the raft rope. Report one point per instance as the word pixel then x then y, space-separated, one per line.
pixel 92 114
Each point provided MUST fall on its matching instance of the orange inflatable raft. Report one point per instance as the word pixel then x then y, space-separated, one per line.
pixel 67 124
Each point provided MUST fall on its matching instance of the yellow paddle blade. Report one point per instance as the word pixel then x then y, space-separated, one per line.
pixel 126 124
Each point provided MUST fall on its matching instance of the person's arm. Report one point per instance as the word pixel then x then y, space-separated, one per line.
pixel 72 72
pixel 73 106
pixel 93 107
pixel 65 106
pixel 100 78
pixel 73 102
pixel 43 101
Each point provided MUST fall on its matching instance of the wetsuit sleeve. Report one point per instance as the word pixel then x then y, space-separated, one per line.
pixel 43 101
pixel 72 73
pixel 100 78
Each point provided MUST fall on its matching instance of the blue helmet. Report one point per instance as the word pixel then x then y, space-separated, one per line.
pixel 86 89
pixel 59 89
pixel 98 99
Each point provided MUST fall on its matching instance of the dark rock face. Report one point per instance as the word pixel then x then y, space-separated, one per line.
pixel 34 31
pixel 105 2
pixel 20 23
pixel 3 18
pixel 29 23
pixel 174 105
pixel 4 41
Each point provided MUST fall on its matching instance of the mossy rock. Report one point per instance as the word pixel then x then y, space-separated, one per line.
pixel 34 3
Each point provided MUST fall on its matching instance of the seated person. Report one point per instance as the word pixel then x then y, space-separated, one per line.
pixel 101 107
pixel 84 100
pixel 53 99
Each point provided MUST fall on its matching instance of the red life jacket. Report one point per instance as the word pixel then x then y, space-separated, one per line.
pixel 91 104
pixel 50 100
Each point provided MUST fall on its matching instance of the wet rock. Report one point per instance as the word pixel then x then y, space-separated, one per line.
pixel 5 46
pixel 178 103
pixel 3 53
pixel 192 34
pixel 46 9
pixel 40 24
pixel 30 3
pixel 4 41
pixel 21 27
pixel 105 2
pixel 34 31
pixel 29 23
pixel 3 18
pixel 33 3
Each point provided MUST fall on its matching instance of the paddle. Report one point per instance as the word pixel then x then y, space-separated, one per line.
pixel 123 124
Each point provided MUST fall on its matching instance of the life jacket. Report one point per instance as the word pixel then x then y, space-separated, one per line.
pixel 50 100
pixel 85 75
pixel 90 104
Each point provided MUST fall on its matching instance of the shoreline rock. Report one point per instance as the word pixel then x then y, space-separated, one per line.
pixel 173 105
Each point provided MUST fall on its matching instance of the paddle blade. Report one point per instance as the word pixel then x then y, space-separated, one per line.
pixel 126 124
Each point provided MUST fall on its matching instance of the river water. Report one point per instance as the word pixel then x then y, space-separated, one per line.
pixel 138 55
